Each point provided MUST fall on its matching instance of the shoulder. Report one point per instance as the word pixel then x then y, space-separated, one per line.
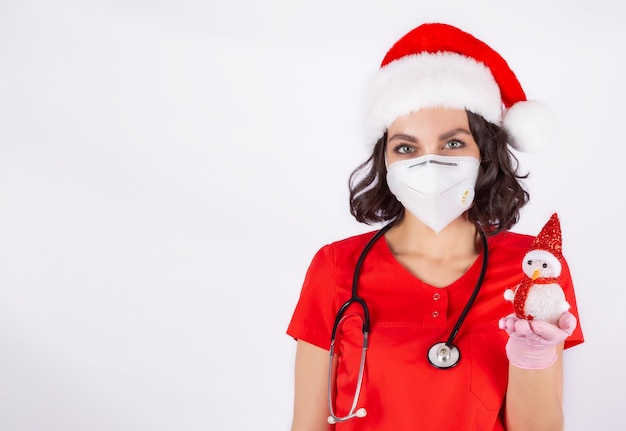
pixel 352 242
pixel 346 248
pixel 510 241
pixel 508 248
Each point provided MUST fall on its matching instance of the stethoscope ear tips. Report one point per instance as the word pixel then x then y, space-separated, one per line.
pixel 360 413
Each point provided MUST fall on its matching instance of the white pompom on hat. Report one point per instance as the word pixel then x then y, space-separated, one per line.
pixel 439 65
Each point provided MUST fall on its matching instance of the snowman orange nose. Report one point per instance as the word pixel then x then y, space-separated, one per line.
pixel 535 274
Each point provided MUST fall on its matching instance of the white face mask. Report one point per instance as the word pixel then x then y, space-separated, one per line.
pixel 435 189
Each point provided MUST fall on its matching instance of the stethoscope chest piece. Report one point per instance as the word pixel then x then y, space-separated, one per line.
pixel 441 355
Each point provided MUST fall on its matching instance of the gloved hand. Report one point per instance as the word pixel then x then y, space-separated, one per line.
pixel 532 343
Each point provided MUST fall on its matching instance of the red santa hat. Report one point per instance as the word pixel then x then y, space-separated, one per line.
pixel 548 244
pixel 438 65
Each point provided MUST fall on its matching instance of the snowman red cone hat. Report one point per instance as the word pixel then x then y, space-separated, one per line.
pixel 548 245
pixel 439 65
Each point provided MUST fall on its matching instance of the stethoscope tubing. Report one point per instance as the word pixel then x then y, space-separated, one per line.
pixel 355 298
pixel 475 292
pixel 440 355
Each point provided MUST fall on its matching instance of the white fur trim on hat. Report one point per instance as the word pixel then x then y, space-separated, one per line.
pixel 426 80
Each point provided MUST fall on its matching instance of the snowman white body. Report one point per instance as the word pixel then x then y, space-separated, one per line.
pixel 539 296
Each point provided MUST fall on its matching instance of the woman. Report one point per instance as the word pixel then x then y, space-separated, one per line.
pixel 443 349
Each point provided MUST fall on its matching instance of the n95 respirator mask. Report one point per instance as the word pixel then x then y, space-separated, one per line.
pixel 435 189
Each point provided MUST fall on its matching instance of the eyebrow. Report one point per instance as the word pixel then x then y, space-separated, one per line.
pixel 442 137
pixel 403 137
pixel 453 132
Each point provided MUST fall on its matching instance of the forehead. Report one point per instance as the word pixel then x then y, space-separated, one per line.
pixel 431 120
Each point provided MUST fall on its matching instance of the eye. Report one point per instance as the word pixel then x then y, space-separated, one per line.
pixel 454 143
pixel 529 262
pixel 403 149
pixel 545 265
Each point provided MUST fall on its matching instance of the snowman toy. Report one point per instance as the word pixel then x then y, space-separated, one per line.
pixel 539 295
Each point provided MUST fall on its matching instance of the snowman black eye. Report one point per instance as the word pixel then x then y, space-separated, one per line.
pixel 545 265
pixel 529 262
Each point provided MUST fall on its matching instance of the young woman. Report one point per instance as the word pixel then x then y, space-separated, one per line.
pixel 422 337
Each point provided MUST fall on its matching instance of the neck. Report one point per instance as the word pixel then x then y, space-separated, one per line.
pixel 459 238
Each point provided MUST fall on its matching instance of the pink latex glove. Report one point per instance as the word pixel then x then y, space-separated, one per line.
pixel 532 343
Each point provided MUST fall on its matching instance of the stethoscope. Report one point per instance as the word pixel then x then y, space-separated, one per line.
pixel 441 355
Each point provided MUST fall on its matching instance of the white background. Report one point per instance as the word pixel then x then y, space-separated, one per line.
pixel 169 168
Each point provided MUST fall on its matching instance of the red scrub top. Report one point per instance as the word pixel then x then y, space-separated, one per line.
pixel 401 390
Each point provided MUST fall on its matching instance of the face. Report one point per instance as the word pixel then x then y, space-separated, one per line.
pixel 438 131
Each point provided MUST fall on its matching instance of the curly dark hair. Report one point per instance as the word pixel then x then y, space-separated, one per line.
pixel 499 194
